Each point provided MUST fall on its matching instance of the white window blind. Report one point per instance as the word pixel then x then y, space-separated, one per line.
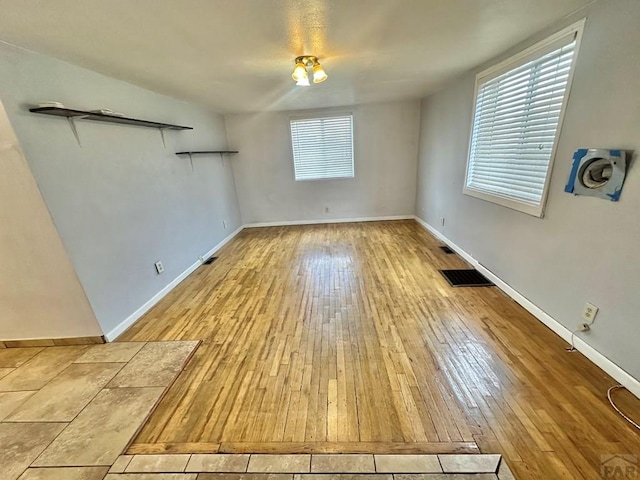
pixel 322 147
pixel 517 114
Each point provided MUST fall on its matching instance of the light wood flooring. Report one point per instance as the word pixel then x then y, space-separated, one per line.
pixel 345 338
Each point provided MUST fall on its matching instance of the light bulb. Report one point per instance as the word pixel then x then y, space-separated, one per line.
pixel 299 72
pixel 303 81
pixel 319 75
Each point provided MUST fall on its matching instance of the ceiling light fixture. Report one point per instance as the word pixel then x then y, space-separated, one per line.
pixel 300 73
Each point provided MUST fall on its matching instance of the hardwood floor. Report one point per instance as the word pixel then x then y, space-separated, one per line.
pixel 345 338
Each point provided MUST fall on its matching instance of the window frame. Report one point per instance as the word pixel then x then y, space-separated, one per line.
pixel 528 54
pixel 317 116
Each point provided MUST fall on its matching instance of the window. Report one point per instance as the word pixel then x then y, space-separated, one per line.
pixel 322 147
pixel 517 116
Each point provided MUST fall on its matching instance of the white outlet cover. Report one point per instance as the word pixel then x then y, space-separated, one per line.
pixel 589 312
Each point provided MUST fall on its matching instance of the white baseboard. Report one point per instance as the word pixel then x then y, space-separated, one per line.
pixel 333 220
pixel 131 319
pixel 624 378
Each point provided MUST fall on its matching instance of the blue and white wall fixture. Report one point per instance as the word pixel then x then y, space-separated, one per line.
pixel 598 173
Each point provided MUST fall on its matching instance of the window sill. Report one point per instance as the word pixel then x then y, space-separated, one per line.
pixel 324 178
pixel 529 209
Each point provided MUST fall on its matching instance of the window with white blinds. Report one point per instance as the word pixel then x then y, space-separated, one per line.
pixel 518 110
pixel 322 147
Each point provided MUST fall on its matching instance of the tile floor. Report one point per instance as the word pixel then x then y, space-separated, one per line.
pixel 79 406
pixel 311 467
pixel 68 413
pixel 285 467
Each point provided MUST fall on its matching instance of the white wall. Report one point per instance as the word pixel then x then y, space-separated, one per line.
pixel 40 295
pixel 585 249
pixel 385 152
pixel 122 201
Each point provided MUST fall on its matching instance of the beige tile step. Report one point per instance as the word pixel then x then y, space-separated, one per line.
pixel 407 464
pixel 218 463
pixel 151 476
pixel 318 467
pixel 304 476
pixel 469 463
pixel 349 463
pixel 342 476
pixel 245 476
pixel 157 463
pixel 279 464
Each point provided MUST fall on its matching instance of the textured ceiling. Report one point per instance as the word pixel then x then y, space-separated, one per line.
pixel 237 55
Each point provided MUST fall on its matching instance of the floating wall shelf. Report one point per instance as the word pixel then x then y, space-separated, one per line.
pixel 206 152
pixel 71 115
pixel 100 117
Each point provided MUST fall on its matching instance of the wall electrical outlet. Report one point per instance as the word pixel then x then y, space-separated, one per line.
pixel 224 223
pixel 589 312
pixel 327 209
pixel 159 267
pixel 442 221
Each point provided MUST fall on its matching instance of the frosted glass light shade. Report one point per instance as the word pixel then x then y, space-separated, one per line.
pixel 319 75
pixel 299 72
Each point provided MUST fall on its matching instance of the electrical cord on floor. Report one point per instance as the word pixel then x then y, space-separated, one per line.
pixel 584 327
pixel 573 345
pixel 616 387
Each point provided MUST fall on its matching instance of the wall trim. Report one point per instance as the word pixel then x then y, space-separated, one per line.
pixel 131 319
pixel 332 220
pixel 52 342
pixel 623 377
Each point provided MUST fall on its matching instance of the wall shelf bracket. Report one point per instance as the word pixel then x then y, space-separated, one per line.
pixel 72 126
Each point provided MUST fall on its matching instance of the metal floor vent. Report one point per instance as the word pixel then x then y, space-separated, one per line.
pixel 466 278
pixel 446 250
pixel 210 260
